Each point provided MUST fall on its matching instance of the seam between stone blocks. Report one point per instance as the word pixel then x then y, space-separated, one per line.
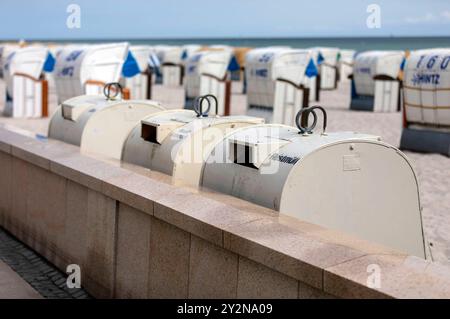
pixel 149 257
pixel 189 266
pixel 237 274
pixel 344 262
pixel 115 250
pixel 340 263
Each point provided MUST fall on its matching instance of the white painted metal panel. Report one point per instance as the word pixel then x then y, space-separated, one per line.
pixel 345 181
pixel 179 142
pixel 98 125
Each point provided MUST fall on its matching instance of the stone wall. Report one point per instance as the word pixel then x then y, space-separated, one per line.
pixel 135 235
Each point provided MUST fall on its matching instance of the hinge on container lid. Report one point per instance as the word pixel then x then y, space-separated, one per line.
pixel 72 111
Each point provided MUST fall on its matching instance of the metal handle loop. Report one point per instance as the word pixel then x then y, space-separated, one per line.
pixel 198 105
pixel 306 111
pixel 112 89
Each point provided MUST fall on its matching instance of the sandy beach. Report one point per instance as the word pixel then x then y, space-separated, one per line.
pixel 433 171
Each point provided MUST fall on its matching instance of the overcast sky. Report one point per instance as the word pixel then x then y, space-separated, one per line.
pixel 46 19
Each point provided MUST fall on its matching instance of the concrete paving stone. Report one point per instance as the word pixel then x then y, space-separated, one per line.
pixel 12 286
pixel 36 271
pixel 61 282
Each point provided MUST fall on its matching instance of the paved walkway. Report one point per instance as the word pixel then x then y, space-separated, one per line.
pixel 25 274
pixel 12 286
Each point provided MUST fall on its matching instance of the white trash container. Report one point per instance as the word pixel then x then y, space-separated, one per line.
pixel 98 125
pixel 177 142
pixel 344 181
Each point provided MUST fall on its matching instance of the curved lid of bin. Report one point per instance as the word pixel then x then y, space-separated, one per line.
pixel 278 63
pixel 258 147
pixel 27 61
pixel 170 122
pixel 215 63
pixel 176 142
pixel 77 64
pixel 97 124
pixel 326 179
pixel 169 54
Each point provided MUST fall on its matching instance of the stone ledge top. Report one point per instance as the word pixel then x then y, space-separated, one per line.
pixel 334 262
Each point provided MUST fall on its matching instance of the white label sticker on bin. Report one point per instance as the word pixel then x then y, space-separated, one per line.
pixel 351 162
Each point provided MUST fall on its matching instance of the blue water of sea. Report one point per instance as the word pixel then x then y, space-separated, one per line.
pixel 359 44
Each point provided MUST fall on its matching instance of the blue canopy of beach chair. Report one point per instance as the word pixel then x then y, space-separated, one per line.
pixel 234 65
pixel 130 67
pixel 311 69
pixel 49 63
